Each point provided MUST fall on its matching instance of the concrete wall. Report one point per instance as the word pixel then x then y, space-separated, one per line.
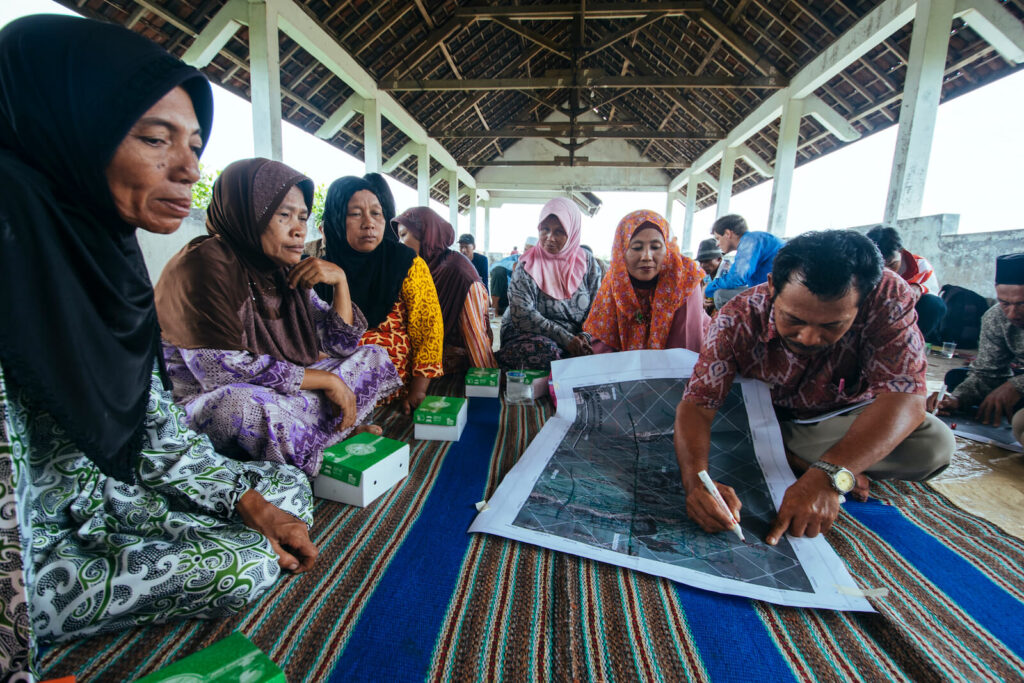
pixel 158 249
pixel 966 260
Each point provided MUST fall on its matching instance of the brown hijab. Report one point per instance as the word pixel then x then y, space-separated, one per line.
pixel 221 291
pixel 453 273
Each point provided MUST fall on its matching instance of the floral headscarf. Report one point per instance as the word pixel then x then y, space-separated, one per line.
pixel 616 318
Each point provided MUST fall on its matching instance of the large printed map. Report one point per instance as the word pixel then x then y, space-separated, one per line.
pixel 601 481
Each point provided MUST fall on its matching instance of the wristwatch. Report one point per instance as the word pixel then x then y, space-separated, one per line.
pixel 842 479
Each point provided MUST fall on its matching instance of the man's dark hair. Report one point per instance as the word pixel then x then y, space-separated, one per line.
pixel 828 263
pixel 732 221
pixel 467 239
pixel 887 240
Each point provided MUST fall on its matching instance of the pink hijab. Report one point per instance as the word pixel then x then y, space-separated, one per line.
pixel 558 275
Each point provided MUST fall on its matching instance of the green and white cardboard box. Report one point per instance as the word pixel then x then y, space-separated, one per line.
pixel 359 469
pixel 483 382
pixel 538 381
pixel 227 661
pixel 440 418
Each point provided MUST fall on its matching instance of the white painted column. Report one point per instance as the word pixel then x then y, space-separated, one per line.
pixel 423 175
pixel 453 199
pixel 670 203
pixel 785 163
pixel 725 181
pixel 472 212
pixel 487 227
pixel 691 208
pixel 371 136
pixel 922 88
pixel 265 79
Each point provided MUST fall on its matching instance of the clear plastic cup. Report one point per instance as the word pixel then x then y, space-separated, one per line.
pixel 948 349
pixel 517 388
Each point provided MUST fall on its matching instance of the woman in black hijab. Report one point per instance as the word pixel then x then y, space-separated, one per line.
pixel 388 281
pixel 100 133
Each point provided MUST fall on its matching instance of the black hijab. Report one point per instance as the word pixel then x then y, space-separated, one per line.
pixel 78 330
pixel 374 278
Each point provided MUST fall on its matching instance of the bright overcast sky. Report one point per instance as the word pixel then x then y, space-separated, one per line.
pixel 974 170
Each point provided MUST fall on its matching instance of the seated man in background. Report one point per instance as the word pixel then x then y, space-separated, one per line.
pixel 467 245
pixel 990 382
pixel 709 256
pixel 918 273
pixel 501 275
pixel 829 330
pixel 755 251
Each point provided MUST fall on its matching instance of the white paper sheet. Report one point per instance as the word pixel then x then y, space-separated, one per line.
pixel 601 481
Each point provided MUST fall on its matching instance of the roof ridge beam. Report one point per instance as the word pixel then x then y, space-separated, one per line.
pixel 584 81
pixel 554 12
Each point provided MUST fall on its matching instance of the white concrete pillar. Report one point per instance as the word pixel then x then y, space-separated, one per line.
pixel 453 199
pixel 670 203
pixel 371 136
pixel 725 181
pixel 423 175
pixel 487 227
pixel 686 238
pixel 922 88
pixel 472 212
pixel 785 163
pixel 265 80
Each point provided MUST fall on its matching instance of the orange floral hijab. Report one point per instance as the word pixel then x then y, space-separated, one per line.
pixel 616 317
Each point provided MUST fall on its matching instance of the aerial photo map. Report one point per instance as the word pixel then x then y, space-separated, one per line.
pixel 601 481
pixel 613 482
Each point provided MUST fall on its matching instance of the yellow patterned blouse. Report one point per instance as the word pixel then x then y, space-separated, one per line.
pixel 413 332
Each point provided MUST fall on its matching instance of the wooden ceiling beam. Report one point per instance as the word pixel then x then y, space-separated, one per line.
pixel 568 132
pixel 533 36
pixel 573 161
pixel 644 67
pixel 584 82
pixel 384 28
pixel 609 10
pixel 737 42
pixel 621 34
pixel 429 44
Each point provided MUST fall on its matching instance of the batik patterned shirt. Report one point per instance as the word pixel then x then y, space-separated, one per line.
pixel 882 352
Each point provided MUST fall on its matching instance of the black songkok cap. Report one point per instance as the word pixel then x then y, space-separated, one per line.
pixel 1010 269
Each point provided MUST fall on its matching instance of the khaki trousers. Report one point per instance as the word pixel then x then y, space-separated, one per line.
pixel 922 455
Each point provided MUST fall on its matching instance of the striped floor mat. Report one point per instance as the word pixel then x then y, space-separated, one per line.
pixel 402 593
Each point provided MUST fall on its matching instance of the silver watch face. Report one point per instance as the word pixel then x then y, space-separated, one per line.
pixel 844 480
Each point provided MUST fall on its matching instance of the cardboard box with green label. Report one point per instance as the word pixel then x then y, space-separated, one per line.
pixel 359 469
pixel 483 382
pixel 440 418
pixel 538 380
pixel 227 661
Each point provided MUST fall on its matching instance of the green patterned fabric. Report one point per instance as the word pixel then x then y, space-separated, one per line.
pixel 82 553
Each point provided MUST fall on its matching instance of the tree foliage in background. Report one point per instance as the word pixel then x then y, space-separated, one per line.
pixel 202 191
pixel 317 215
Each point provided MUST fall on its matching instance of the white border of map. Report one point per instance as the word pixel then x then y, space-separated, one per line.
pixel 824 568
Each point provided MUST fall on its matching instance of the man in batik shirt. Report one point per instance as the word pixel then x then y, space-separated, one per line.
pixel 829 330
